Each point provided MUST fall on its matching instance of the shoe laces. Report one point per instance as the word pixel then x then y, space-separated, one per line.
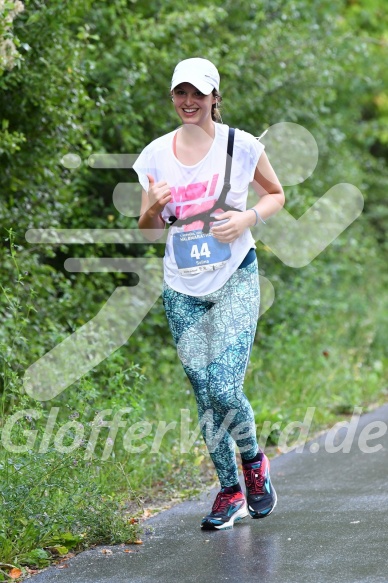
pixel 254 480
pixel 222 501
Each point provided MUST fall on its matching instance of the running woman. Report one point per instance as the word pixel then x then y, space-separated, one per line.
pixel 211 291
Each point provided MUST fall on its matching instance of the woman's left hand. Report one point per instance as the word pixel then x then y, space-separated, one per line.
pixel 236 225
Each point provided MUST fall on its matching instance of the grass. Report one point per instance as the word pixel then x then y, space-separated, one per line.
pixel 322 345
pixel 333 360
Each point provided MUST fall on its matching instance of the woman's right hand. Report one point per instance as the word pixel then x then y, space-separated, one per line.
pixel 159 194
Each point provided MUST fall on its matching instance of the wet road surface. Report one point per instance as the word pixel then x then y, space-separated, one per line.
pixel 330 526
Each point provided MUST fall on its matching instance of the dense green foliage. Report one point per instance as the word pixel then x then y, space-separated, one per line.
pixel 86 77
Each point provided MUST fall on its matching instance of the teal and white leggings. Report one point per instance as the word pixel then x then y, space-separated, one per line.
pixel 214 334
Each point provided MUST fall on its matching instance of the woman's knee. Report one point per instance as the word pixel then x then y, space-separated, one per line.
pixel 225 401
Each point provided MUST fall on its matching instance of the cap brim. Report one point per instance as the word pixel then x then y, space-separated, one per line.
pixel 205 88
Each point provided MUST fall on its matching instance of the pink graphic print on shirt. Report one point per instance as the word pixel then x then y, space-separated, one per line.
pixel 199 195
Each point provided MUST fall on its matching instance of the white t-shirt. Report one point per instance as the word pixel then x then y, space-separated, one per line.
pixel 194 189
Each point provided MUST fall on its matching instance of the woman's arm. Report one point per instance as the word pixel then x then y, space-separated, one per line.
pixel 152 204
pixel 266 184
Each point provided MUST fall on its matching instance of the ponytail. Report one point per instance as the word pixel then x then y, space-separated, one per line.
pixel 216 115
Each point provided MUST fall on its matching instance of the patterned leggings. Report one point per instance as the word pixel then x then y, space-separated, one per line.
pixel 214 334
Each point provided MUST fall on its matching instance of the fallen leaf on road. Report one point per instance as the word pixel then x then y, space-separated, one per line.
pixel 62 567
pixel 138 542
pixel 128 551
pixel 107 552
pixel 15 573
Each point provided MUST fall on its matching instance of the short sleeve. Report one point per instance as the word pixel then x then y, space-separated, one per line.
pixel 142 168
pixel 256 148
pixel 253 150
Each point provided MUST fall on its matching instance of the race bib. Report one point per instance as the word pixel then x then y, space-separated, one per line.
pixel 196 251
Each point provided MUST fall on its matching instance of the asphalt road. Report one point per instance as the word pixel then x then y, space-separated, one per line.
pixel 330 526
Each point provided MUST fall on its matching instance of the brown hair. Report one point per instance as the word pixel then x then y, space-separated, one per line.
pixel 216 115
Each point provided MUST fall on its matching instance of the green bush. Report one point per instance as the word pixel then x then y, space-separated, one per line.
pixel 94 77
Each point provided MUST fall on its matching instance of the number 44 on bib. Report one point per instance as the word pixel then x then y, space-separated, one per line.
pixel 196 251
pixel 205 251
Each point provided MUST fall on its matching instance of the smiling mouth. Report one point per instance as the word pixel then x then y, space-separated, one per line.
pixel 190 110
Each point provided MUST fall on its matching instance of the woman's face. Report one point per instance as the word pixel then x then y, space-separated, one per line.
pixel 192 106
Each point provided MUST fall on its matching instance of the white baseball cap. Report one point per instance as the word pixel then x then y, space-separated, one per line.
pixel 199 72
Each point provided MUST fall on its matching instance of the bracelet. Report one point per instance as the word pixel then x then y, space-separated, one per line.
pixel 257 217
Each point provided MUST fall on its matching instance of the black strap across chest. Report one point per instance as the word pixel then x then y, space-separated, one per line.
pixel 220 202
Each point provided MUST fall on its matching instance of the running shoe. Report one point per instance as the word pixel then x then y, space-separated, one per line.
pixel 261 495
pixel 227 509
